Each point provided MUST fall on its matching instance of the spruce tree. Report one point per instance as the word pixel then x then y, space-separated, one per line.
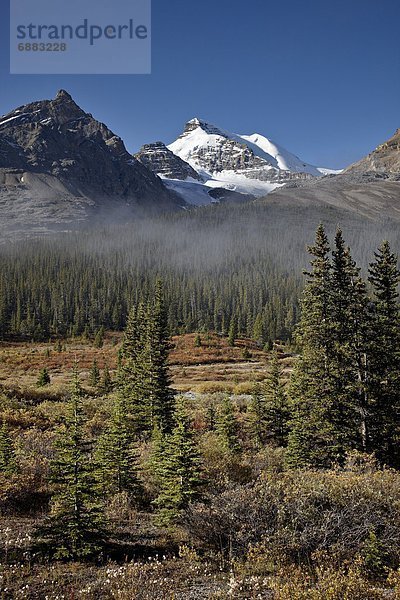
pixel 227 426
pixel 258 423
pixel 349 319
pixel 94 375
pixel 313 439
pixel 144 377
pixel 384 357
pixel 106 383
pixel 44 378
pixel 176 462
pixel 258 330
pixel 7 452
pixel 329 387
pixel 276 415
pixel 99 338
pixel 161 394
pixel 133 370
pixel 116 460
pixel 233 331
pixel 74 530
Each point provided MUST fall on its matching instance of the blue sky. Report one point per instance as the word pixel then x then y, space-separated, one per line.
pixel 320 77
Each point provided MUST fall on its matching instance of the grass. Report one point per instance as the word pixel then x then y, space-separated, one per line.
pixel 144 561
pixel 214 366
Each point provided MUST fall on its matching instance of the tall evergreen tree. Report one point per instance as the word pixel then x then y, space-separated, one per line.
pixel 384 359
pixel 349 354
pixel 144 377
pixel 258 330
pixel 106 383
pixel 133 370
pixel 258 422
pixel 75 526
pixel 161 393
pixel 312 440
pixel 331 385
pixel 99 338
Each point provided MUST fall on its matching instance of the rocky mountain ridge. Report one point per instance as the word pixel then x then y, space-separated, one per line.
pixel 57 160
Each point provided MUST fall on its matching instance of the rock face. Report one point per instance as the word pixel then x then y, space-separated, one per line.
pixel 384 161
pixel 215 150
pixel 159 159
pixel 53 153
pixel 221 152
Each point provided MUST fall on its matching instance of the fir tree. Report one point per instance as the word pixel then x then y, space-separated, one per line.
pixel 258 330
pixel 258 423
pixel 133 377
pixel 329 388
pixel 7 452
pixel 75 525
pixel 177 467
pixel 349 318
pixel 211 417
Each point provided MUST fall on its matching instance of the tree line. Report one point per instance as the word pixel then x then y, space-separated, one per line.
pixel 57 288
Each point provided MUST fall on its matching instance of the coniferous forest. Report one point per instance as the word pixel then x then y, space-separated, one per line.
pixel 273 474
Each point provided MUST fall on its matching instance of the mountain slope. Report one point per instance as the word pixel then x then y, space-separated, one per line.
pixel 165 163
pixel 385 159
pixel 58 163
pixel 368 190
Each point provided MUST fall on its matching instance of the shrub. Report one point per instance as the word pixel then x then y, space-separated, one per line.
pixel 298 515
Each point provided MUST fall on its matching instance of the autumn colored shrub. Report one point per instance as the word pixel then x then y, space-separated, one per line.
pixel 295 515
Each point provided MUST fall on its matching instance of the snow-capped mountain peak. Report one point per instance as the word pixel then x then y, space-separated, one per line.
pixel 197 123
pixel 245 164
pixel 201 139
pixel 285 160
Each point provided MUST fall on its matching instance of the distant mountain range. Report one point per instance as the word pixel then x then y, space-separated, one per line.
pixel 61 169
pixel 205 158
